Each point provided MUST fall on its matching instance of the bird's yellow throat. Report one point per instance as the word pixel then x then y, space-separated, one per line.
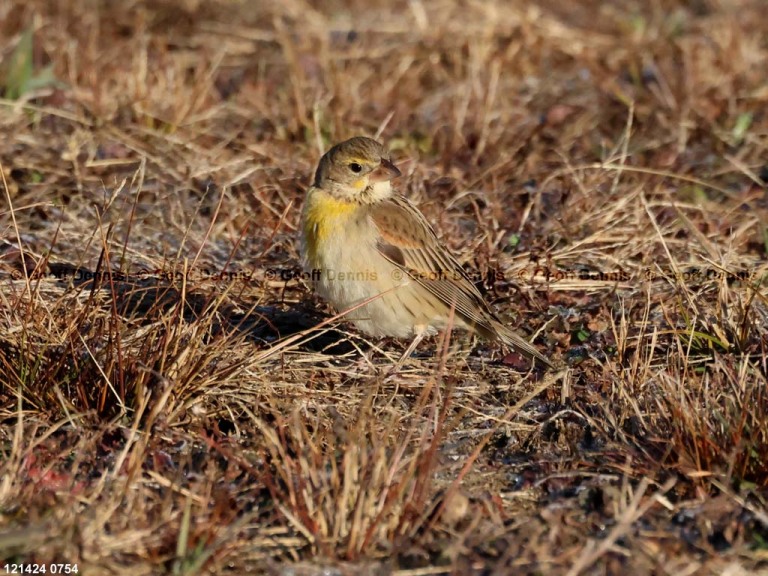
pixel 323 216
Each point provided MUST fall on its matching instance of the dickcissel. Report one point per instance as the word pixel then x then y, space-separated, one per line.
pixel 372 253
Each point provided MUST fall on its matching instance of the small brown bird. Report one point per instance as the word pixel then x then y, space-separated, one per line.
pixel 362 242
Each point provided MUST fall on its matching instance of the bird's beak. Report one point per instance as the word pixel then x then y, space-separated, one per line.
pixel 385 171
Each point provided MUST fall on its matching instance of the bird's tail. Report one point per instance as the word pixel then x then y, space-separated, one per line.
pixel 520 344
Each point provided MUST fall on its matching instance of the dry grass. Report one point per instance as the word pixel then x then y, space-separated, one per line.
pixel 168 404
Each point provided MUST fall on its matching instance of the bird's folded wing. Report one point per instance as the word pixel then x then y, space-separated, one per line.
pixel 409 242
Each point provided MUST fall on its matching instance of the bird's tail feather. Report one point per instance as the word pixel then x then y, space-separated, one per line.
pixel 520 344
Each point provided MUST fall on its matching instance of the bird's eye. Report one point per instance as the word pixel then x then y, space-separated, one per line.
pixel 355 167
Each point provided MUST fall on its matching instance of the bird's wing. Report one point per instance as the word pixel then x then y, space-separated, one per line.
pixel 408 241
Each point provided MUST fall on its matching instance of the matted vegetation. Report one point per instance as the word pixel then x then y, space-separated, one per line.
pixel 174 400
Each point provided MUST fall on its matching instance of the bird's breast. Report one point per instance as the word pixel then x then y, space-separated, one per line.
pixel 326 223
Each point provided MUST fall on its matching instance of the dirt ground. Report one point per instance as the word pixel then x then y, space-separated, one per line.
pixel 173 398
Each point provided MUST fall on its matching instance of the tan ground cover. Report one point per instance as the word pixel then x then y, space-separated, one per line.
pixel 174 400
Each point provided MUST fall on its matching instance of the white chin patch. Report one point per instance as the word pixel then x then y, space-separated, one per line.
pixel 379 191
